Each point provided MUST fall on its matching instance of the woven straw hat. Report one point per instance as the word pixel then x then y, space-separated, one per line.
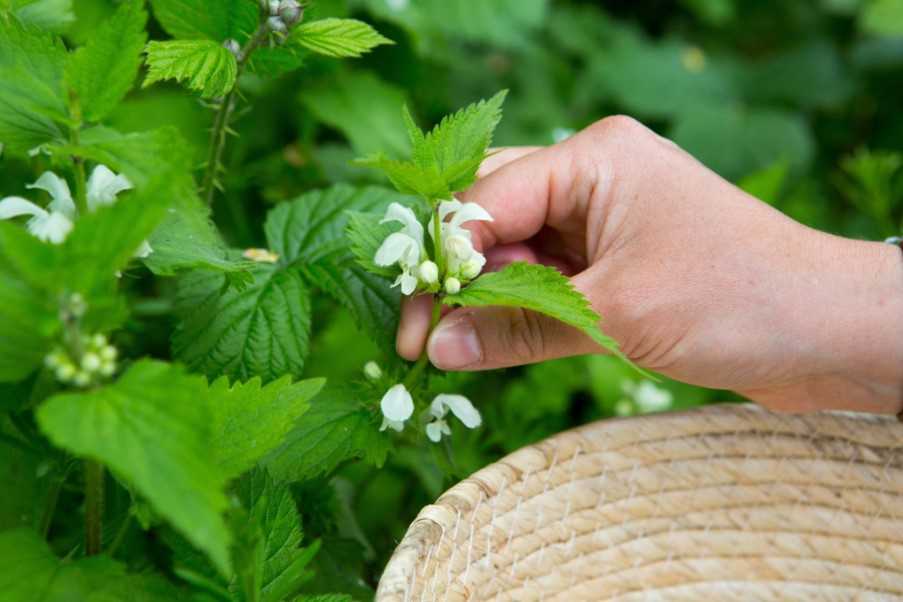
pixel 725 502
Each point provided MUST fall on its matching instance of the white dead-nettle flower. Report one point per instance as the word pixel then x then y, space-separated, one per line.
pixel 462 260
pixel 397 405
pixel 460 406
pixel 54 223
pixel 404 248
pixel 644 398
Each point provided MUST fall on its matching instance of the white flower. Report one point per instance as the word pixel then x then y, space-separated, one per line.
pixel 464 262
pixel 404 247
pixel 648 397
pixel 397 405
pixel 54 223
pixel 460 406
pixel 429 272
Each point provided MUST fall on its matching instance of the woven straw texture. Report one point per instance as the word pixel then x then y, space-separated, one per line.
pixel 726 502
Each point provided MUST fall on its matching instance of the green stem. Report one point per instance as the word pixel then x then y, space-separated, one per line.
pixel 224 114
pixel 94 477
pixel 437 242
pixel 81 189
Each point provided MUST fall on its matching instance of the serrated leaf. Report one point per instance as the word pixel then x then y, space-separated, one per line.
pixel 50 15
pixel 35 574
pixel 409 177
pixel 366 234
pixel 201 65
pixel 538 288
pixel 262 330
pixel 28 313
pixel 32 101
pixel 250 420
pixel 336 428
pixel 284 566
pixel 152 427
pixel 339 38
pixel 102 71
pixel 198 19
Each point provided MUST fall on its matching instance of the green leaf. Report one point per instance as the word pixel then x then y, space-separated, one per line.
pixel 340 38
pixel 201 65
pixel 103 71
pixel 50 15
pixel 28 311
pixel 31 88
pixel 336 428
pixel 458 145
pixel 882 17
pixel 39 576
pixel 187 240
pixel 366 233
pixel 251 420
pixel 362 107
pixel 284 566
pixel 538 288
pixel 409 177
pixel 325 598
pixel 198 19
pixel 152 428
pixel 262 330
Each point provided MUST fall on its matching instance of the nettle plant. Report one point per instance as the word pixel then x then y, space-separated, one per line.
pixel 133 477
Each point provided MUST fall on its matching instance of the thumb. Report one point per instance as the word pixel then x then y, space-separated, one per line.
pixel 483 338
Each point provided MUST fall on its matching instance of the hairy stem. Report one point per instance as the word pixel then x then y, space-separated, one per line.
pixel 224 114
pixel 94 476
pixel 81 189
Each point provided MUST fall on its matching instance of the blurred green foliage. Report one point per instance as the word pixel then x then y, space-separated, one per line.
pixel 797 101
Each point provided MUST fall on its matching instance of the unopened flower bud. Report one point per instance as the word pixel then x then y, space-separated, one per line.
pixel 290 11
pixel 65 372
pixel 429 272
pixel 452 286
pixel 372 370
pixel 107 368
pixel 98 341
pixel 77 305
pixel 272 7
pixel 233 46
pixel 108 353
pixel 276 24
pixel 81 379
pixel 90 362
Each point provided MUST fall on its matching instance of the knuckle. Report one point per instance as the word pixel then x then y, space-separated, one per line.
pixel 617 126
pixel 525 337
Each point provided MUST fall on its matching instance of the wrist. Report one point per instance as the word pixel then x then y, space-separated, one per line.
pixel 856 320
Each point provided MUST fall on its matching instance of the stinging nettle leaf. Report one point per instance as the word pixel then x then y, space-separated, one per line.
pixel 337 427
pixel 103 71
pixel 216 20
pixel 537 288
pixel 339 38
pixel 152 427
pixel 201 65
pixel 262 330
pixel 250 420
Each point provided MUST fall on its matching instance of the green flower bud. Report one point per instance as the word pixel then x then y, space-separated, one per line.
pixel 290 11
pixel 91 362
pixel 372 371
pixel 452 286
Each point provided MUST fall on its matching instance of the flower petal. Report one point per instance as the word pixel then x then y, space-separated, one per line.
pixel 405 215
pixel 144 250
pixel 14 206
pixel 58 189
pixel 397 404
pixel 53 228
pixel 408 283
pixel 448 207
pixel 395 425
pixel 104 185
pixel 435 430
pixel 461 407
pixel 469 212
pixel 398 247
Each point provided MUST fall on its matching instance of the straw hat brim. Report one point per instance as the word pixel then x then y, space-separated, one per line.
pixel 727 502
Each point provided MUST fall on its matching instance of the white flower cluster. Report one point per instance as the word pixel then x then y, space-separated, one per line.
pixel 406 248
pixel 283 14
pixel 98 361
pixel 54 223
pixel 643 398
pixel 397 407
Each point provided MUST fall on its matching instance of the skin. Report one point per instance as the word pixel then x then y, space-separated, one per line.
pixel 693 277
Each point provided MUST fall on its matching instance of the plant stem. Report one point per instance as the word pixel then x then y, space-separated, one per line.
pixel 81 190
pixel 120 535
pixel 224 114
pixel 437 242
pixel 94 476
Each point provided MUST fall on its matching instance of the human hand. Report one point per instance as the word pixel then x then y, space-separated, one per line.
pixel 693 277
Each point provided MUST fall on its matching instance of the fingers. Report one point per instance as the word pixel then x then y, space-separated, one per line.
pixel 499 157
pixel 414 325
pixel 485 338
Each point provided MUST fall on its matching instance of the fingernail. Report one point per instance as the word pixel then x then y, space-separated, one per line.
pixel 455 346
